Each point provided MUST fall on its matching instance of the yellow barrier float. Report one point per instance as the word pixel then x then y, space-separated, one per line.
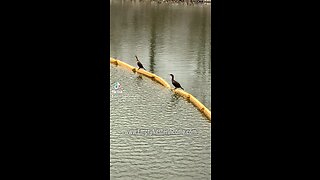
pixel 161 81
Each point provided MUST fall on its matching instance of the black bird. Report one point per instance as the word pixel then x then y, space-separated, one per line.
pixel 139 64
pixel 175 83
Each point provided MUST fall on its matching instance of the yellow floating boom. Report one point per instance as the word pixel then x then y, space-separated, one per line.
pixel 161 81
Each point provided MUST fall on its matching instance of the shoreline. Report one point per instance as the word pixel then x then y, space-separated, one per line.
pixel 186 2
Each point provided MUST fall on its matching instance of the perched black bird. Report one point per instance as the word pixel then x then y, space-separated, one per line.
pixel 175 83
pixel 139 64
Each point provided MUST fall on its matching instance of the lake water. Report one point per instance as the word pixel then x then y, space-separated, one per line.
pixel 155 134
pixel 168 39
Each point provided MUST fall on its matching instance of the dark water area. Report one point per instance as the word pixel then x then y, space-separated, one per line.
pixel 167 38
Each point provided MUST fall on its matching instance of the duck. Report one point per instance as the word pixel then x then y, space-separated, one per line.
pixel 139 64
pixel 175 83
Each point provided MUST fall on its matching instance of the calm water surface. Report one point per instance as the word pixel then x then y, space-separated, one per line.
pixel 168 39
pixel 155 134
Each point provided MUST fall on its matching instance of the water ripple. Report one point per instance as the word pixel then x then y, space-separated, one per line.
pixel 155 134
